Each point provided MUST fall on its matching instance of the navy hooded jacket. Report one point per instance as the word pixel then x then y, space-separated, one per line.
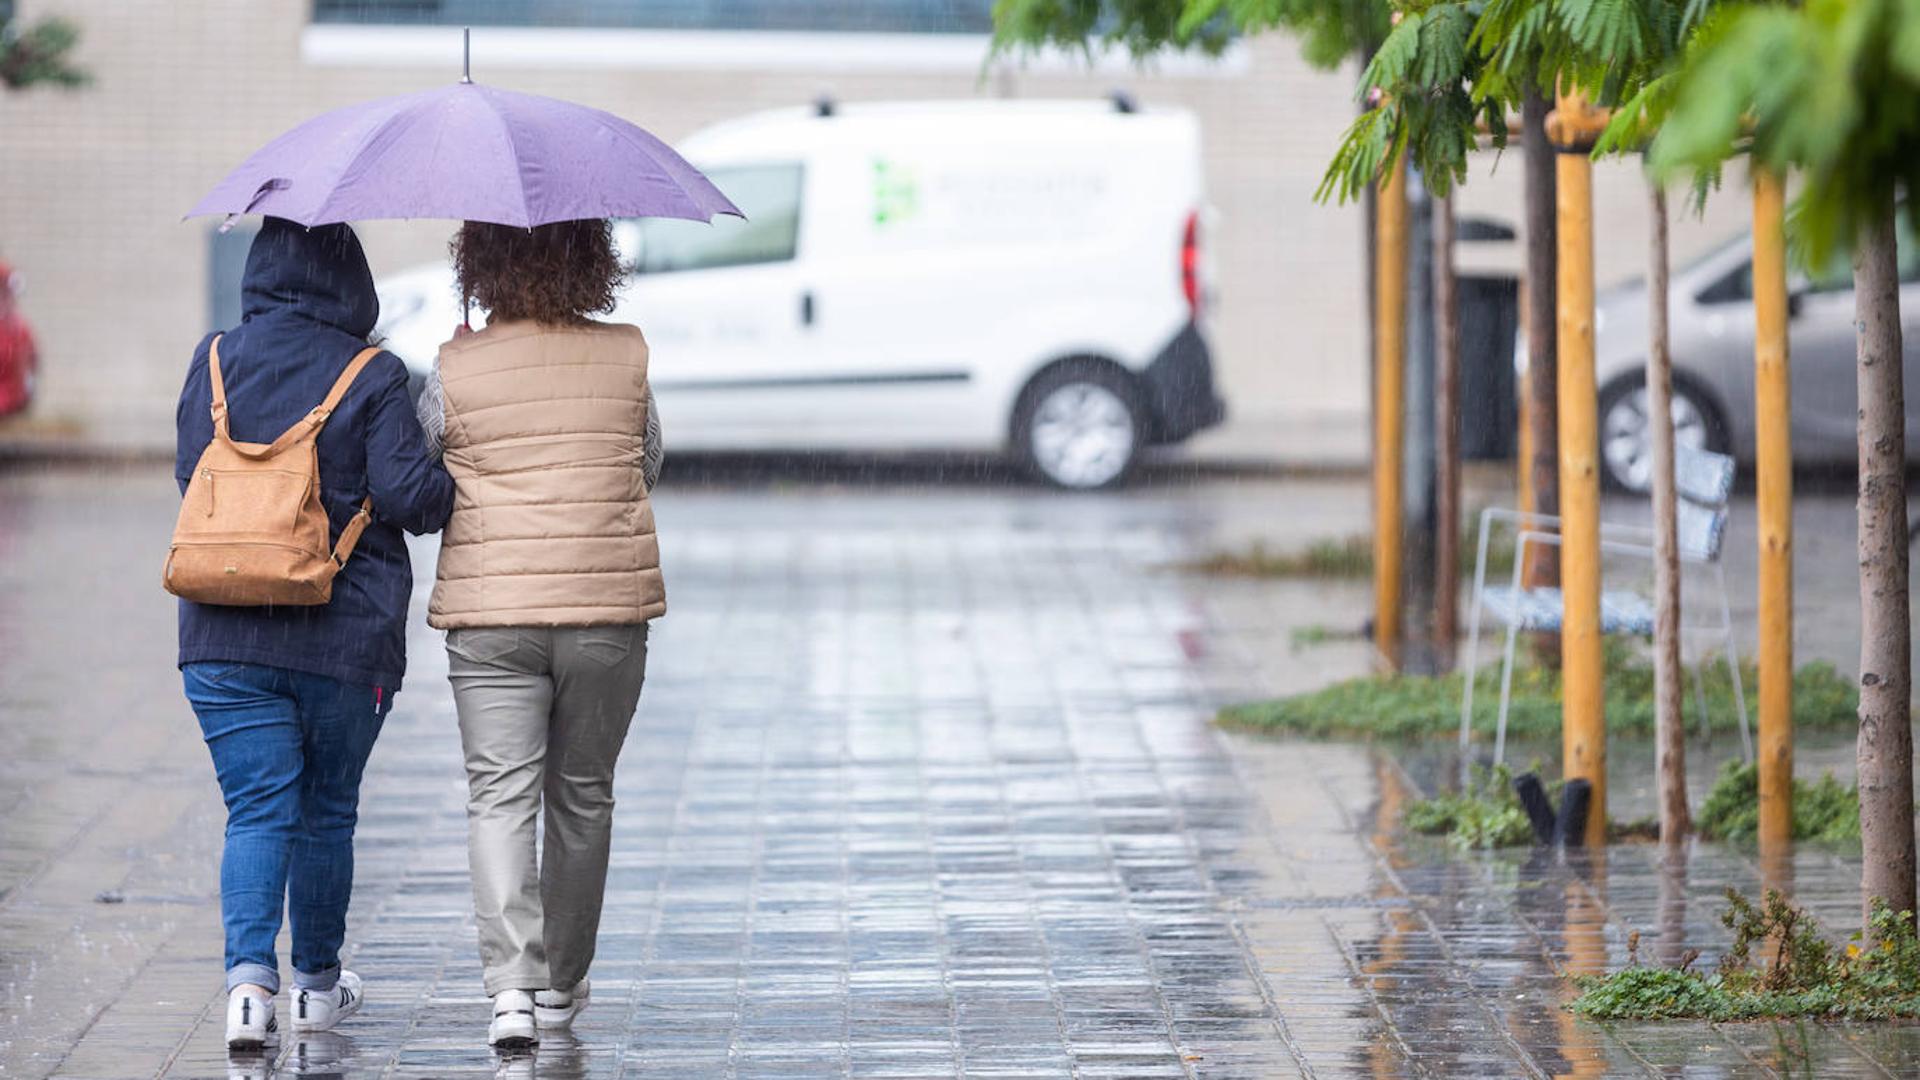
pixel 308 307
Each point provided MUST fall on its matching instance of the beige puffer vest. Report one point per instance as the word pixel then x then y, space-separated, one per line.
pixel 551 524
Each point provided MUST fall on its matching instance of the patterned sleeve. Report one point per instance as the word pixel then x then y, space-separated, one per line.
pixel 653 451
pixel 432 410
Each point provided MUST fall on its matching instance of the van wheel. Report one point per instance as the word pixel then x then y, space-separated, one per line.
pixel 1079 426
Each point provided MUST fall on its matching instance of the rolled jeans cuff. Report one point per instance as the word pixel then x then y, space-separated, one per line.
pixel 323 979
pixel 255 974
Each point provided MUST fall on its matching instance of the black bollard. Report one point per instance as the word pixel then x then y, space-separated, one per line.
pixel 1574 803
pixel 1533 799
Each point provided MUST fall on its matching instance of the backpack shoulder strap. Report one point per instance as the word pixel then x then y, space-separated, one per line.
pixel 350 534
pixel 308 425
pixel 354 368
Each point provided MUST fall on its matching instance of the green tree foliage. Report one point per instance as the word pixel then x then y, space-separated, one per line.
pixel 1330 31
pixel 39 54
pixel 1142 27
pixel 1831 89
pixel 1452 68
pixel 1427 77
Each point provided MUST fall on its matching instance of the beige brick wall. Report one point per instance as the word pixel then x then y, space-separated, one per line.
pixel 93 183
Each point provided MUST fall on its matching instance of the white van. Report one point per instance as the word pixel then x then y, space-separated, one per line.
pixel 997 276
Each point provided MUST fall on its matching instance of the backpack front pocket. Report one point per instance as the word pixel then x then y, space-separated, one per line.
pixel 251 501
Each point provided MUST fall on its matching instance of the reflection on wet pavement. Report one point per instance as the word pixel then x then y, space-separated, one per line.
pixel 922 784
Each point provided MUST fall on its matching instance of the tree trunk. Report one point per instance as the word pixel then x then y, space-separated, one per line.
pixel 1670 743
pixel 1886 735
pixel 1446 439
pixel 1543 314
pixel 1670 909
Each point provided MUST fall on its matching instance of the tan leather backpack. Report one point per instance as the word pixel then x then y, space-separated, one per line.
pixel 252 530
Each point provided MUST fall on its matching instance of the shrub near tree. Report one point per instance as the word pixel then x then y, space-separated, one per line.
pixel 1779 965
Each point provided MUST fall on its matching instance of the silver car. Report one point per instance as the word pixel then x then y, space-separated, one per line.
pixel 1711 330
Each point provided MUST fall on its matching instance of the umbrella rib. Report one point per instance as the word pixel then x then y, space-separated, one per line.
pixel 513 148
pixel 367 142
pixel 619 131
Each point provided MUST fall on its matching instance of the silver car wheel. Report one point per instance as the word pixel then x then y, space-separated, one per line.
pixel 1626 438
pixel 1082 435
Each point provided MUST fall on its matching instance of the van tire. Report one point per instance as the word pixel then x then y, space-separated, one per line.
pixel 1080 425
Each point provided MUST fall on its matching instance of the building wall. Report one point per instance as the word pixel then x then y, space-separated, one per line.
pixel 93 183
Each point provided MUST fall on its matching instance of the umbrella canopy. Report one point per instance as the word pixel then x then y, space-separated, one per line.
pixel 468 152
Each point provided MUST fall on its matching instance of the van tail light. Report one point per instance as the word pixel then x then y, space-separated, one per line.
pixel 1190 264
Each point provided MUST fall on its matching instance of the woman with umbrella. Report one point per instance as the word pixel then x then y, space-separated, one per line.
pixel 290 698
pixel 549 574
pixel 549 571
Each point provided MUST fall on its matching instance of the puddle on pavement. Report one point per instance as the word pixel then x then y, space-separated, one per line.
pixel 1460 961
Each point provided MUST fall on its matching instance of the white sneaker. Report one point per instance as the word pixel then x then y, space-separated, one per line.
pixel 250 1021
pixel 319 1010
pixel 557 1008
pixel 512 1027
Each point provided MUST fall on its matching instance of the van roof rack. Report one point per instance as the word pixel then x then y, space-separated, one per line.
pixel 1123 102
pixel 824 105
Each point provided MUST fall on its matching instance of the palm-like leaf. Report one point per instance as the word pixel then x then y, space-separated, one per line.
pixel 1825 89
pixel 1331 31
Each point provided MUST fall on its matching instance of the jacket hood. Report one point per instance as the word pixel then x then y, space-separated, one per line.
pixel 319 273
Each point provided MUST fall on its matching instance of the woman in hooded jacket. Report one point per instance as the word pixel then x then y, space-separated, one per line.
pixel 291 699
pixel 548 575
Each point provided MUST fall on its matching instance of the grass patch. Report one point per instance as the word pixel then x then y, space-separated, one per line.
pixel 1313 634
pixel 1348 558
pixel 1798 973
pixel 1489 815
pixel 1351 557
pixel 1486 815
pixel 1414 706
pixel 1823 810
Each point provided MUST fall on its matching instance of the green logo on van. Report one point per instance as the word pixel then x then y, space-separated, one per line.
pixel 896 195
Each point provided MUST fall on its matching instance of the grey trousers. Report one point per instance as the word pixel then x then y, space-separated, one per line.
pixel 543 713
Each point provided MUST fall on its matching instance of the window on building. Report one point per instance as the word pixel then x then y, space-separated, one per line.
pixel 840 16
pixel 768 194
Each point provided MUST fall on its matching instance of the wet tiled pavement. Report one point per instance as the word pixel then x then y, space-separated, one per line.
pixel 922 785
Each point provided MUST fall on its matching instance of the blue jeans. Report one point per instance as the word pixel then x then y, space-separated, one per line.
pixel 289 749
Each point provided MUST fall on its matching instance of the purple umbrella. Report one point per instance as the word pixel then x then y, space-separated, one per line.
pixel 468 152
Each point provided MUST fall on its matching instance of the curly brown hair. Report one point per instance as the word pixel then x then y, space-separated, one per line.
pixel 561 273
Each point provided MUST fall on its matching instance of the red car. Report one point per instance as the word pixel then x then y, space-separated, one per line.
pixel 18 356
